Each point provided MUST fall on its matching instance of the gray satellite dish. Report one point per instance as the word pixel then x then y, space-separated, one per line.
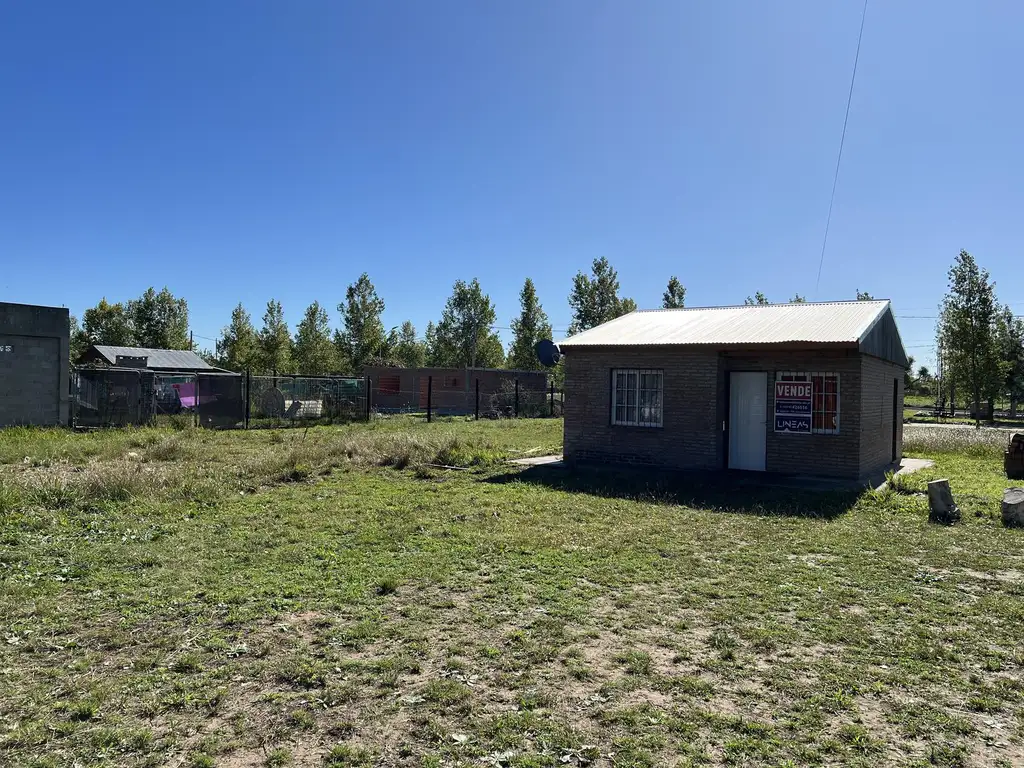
pixel 548 353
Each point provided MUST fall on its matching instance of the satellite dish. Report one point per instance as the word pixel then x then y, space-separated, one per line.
pixel 548 353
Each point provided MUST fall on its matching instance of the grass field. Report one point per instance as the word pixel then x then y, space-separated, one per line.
pixel 232 599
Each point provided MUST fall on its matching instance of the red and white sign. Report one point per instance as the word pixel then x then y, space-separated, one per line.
pixel 792 390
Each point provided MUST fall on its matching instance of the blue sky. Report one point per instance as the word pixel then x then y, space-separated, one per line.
pixel 238 151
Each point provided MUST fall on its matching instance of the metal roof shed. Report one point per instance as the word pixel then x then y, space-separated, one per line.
pixel 866 325
pixel 807 388
pixel 156 359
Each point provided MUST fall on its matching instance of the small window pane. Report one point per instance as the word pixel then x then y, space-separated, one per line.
pixel 637 397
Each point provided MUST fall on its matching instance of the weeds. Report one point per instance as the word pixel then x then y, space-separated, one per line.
pixel 278 757
pixel 171 597
pixel 155 464
pixel 965 441
pixel 10 498
pixel 898 482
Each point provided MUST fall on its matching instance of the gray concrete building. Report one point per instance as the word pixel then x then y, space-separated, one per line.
pixel 34 365
pixel 806 389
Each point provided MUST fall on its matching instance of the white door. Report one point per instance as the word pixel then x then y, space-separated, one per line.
pixel 748 420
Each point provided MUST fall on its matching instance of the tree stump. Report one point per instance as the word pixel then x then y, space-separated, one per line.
pixel 941 507
pixel 1013 507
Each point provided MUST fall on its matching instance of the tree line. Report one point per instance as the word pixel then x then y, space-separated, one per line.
pixel 980 342
pixel 155 320
pixel 464 336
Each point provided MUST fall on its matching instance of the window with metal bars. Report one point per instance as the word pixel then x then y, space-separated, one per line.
pixel 824 399
pixel 637 397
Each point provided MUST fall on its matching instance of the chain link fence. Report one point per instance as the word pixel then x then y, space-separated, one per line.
pixel 275 401
pixel 117 397
pixel 107 398
pixel 511 399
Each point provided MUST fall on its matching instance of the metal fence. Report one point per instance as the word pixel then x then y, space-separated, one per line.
pixel 115 397
pixel 275 401
pixel 433 399
pixel 107 398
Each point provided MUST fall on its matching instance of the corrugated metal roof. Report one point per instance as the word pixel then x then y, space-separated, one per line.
pixel 174 359
pixel 813 323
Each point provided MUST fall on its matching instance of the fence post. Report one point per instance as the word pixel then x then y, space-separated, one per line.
pixel 517 398
pixel 138 407
pixel 430 394
pixel 248 395
pixel 552 397
pixel 476 410
pixel 197 421
pixel 367 398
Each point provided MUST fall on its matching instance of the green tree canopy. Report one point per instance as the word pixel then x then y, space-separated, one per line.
pixel 463 337
pixel 275 343
pixel 674 296
pixel 106 323
pixel 430 343
pixel 864 296
pixel 758 300
pixel 362 333
pixel 531 326
pixel 967 330
pixel 313 353
pixel 159 320
pixel 595 299
pixel 798 299
pixel 238 346
pixel 1010 345
pixel 408 351
pixel 78 343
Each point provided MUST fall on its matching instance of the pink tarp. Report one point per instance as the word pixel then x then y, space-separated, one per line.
pixel 187 394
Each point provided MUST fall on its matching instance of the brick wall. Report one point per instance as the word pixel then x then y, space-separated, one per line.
pixel 696 405
pixel 831 455
pixel 876 414
pixel 453 390
pixel 688 437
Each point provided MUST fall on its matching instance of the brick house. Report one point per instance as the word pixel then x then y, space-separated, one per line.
pixel 452 390
pixel 809 389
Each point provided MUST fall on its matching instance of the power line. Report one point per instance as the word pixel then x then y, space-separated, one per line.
pixel 842 141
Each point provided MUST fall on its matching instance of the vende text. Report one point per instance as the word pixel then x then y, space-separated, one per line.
pixel 786 390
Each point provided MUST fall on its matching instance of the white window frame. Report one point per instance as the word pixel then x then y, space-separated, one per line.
pixel 633 417
pixel 808 377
